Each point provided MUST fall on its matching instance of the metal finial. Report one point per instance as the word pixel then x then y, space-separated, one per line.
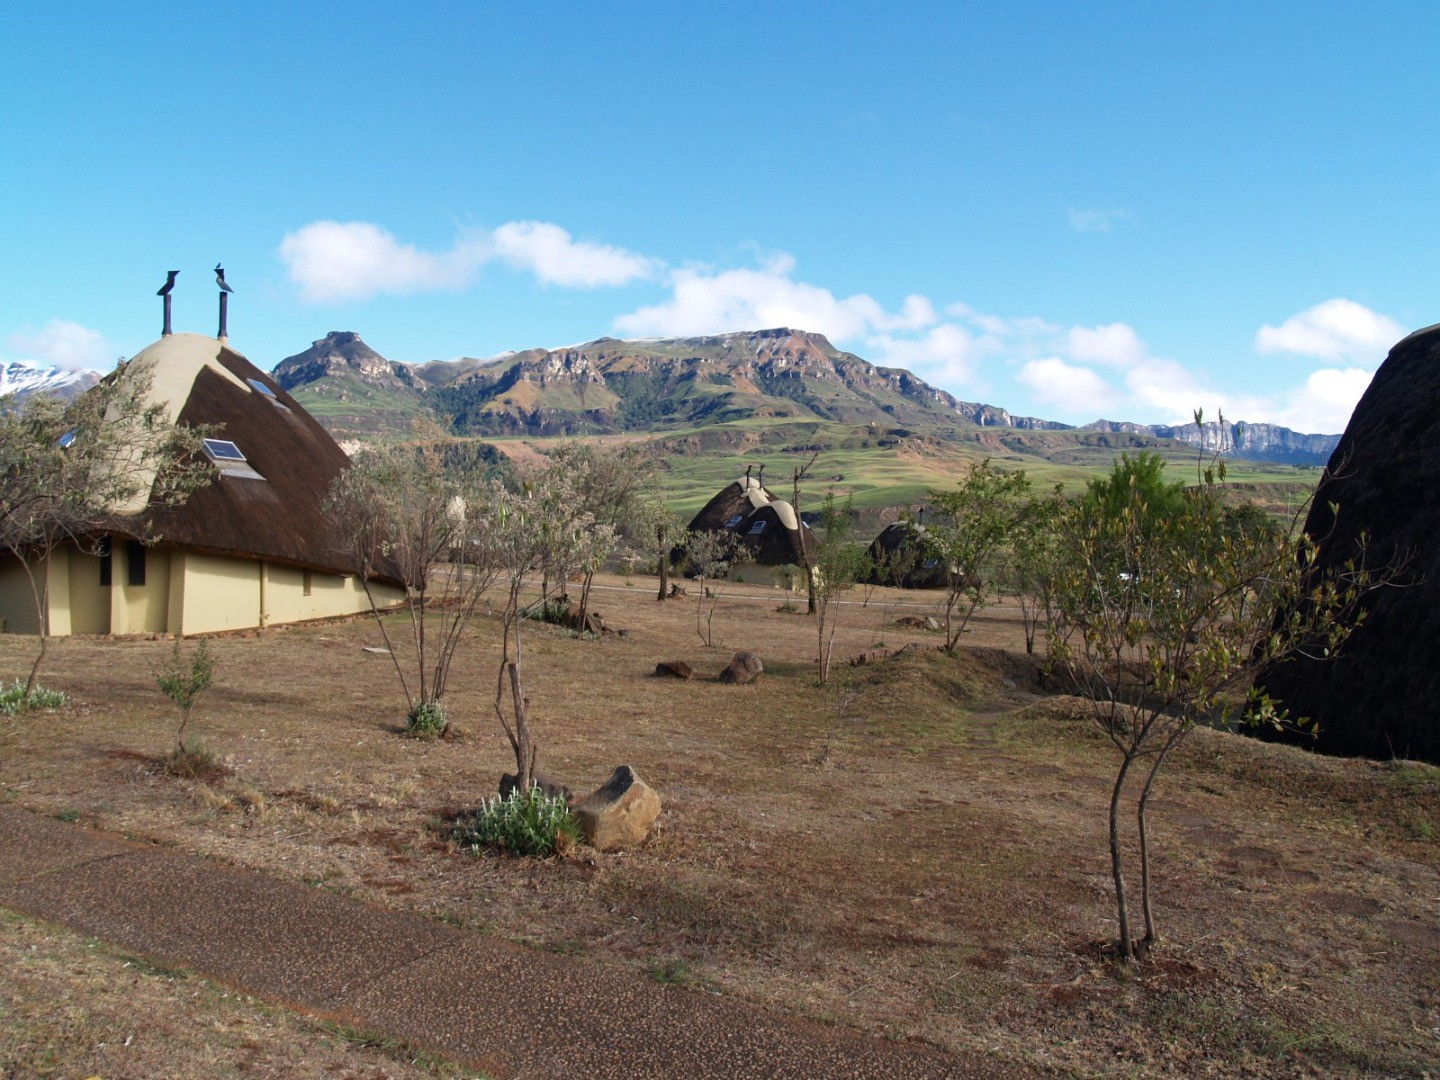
pixel 220 279
pixel 164 292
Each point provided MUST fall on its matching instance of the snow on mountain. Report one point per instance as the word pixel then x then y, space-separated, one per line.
pixel 21 378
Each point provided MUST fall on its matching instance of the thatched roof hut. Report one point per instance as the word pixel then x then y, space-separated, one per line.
pixel 906 562
pixel 767 530
pixel 1378 696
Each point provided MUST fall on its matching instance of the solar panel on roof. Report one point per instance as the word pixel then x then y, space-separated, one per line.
pixel 260 386
pixel 65 440
pixel 734 521
pixel 223 450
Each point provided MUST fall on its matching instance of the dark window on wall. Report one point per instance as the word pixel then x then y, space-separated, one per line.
pixel 105 562
pixel 307 583
pixel 135 557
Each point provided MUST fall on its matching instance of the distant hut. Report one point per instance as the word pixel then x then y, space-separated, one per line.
pixel 767 530
pixel 900 557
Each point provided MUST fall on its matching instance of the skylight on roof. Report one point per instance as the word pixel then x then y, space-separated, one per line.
pixel 757 528
pixel 65 441
pixel 734 521
pixel 260 386
pixel 223 450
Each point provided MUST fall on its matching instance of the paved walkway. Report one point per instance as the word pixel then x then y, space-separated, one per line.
pixel 496 1007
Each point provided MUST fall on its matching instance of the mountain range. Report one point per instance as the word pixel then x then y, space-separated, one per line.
pixel 673 384
pixel 21 378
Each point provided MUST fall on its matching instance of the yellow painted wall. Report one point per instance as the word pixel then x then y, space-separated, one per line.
pixel 17 602
pixel 139 609
pixel 89 600
pixel 184 593
pixel 220 594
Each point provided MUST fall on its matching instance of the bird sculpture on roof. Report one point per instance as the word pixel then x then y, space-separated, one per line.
pixel 164 290
pixel 220 279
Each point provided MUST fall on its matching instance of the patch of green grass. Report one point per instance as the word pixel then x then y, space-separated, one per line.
pixel 14 700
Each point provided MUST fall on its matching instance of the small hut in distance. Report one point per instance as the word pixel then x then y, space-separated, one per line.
pixel 899 556
pixel 769 534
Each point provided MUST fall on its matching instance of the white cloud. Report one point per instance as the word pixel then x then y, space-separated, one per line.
pixel 64 344
pixel 336 261
pixel 1337 329
pixel 1113 343
pixel 1322 406
pixel 706 301
pixel 948 354
pixel 556 258
pixel 1076 389
pixel 1096 219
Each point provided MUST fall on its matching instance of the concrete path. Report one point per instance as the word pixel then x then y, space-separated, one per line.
pixel 496 1007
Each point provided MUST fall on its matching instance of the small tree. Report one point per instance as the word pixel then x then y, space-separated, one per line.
pixel 68 469
pixel 1161 621
pixel 534 527
pixel 836 565
pixel 617 488
pixel 182 679
pixel 417 512
pixel 709 554
pixel 1027 568
pixel 969 526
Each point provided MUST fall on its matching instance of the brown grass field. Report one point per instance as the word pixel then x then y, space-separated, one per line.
pixel 917 850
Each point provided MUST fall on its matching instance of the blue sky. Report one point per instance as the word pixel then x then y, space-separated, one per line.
pixel 1119 210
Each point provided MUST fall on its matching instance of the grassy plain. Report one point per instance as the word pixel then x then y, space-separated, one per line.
pixel 917 851
pixel 882 470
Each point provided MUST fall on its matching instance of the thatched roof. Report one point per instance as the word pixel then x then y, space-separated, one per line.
pixel 925 572
pixel 771 535
pixel 1378 697
pixel 278 516
pixel 769 532
pixel 731 505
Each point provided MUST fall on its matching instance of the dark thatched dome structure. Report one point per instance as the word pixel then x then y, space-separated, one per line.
pixel 906 563
pixel 1381 696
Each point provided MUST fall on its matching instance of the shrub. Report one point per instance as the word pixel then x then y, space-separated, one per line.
pixel 183 679
pixel 426 720
pixel 523 823
pixel 194 760
pixel 14 699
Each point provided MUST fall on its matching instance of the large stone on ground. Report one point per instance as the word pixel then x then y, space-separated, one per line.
pixel 676 669
pixel 742 669
pixel 619 813
pixel 1378 697
pixel 556 790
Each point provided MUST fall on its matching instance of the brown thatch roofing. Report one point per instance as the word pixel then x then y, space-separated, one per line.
pixel 771 536
pixel 279 518
pixel 1378 696
pixel 731 504
pixel 926 571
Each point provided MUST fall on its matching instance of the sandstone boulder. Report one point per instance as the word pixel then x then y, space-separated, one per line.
pixel 742 669
pixel 619 813
pixel 675 669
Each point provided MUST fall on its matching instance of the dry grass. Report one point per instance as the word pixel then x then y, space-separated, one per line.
pixel 918 850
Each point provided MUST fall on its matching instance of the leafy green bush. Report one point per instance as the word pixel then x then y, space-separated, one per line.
pixel 426 720
pixel 524 823
pixel 13 699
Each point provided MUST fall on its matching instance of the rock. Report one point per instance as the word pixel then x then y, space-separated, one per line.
pixel 676 591
pixel 910 622
pixel 619 813
pixel 676 669
pixel 742 669
pixel 553 788
pixel 931 623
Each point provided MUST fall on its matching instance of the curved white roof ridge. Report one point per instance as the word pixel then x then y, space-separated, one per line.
pixel 786 513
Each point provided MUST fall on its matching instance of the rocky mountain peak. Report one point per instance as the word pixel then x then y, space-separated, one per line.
pixel 340 353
